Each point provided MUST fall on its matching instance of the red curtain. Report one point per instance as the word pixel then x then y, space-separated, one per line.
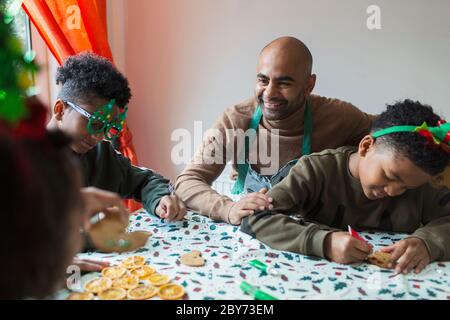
pixel 72 26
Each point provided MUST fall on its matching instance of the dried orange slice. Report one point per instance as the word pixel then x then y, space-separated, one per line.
pixel 158 279
pixel 142 292
pixel 133 262
pixel 80 296
pixel 126 282
pixel 113 294
pixel 98 284
pixel 171 292
pixel 143 272
pixel 113 272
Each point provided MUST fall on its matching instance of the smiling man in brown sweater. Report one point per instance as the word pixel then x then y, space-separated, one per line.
pixel 282 112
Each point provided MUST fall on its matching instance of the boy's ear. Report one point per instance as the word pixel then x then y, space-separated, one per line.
pixel 59 109
pixel 367 143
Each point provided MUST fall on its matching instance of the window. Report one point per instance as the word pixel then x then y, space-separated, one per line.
pixel 20 22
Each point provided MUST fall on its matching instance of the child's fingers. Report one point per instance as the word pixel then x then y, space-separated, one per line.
pixel 398 251
pixel 404 261
pixel 388 249
pixel 412 264
pixel 91 266
pixel 103 263
pixel 124 216
pixel 421 265
pixel 179 216
pixel 181 212
pixel 263 191
pixel 160 211
pixel 171 210
pixel 88 266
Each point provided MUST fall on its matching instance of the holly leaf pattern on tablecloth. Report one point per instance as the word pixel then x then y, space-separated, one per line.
pixel 318 280
pixel 288 256
pixel 340 286
pixel 362 292
pixel 304 276
pixel 316 288
pixel 431 293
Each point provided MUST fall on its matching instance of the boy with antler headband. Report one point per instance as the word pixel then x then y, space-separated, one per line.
pixel 384 184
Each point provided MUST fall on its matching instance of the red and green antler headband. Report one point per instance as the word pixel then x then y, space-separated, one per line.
pixel 438 136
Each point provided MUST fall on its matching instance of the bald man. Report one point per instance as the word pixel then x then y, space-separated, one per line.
pixel 287 122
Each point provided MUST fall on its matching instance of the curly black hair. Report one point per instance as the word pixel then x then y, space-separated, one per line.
pixel 87 76
pixel 431 159
pixel 40 211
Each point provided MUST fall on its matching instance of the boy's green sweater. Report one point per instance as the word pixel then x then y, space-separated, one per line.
pixel 105 168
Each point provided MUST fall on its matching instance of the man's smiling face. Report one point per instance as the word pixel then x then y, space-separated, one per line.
pixel 283 79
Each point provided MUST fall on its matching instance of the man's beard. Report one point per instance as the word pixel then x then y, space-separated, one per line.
pixel 288 108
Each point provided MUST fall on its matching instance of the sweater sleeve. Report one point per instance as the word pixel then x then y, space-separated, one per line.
pixel 435 231
pixel 141 184
pixel 279 231
pixel 193 185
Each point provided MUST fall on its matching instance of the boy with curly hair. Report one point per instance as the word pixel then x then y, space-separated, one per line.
pixel 383 184
pixel 91 107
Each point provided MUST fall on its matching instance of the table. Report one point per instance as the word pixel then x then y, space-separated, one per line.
pixel 227 252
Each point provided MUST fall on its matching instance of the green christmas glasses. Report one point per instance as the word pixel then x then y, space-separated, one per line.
pixel 101 121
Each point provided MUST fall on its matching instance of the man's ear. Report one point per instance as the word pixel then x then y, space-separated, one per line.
pixel 310 84
pixel 365 145
pixel 59 109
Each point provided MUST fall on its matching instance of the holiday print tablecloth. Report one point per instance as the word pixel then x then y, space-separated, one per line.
pixel 227 252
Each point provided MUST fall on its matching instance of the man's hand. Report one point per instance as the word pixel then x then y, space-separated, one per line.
pixel 256 201
pixel 97 200
pixel 409 254
pixel 341 247
pixel 90 265
pixel 171 208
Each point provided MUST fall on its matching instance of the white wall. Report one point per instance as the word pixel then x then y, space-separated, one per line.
pixel 189 59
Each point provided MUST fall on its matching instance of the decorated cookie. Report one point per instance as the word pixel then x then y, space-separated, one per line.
pixel 193 259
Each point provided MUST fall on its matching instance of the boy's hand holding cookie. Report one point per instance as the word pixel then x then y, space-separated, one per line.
pixel 409 254
pixel 98 200
pixel 171 208
pixel 341 247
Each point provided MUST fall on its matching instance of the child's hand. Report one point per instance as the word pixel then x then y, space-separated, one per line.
pixel 409 254
pixel 90 265
pixel 341 247
pixel 171 208
pixel 97 200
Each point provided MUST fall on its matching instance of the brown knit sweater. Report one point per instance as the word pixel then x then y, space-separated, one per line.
pixel 335 123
